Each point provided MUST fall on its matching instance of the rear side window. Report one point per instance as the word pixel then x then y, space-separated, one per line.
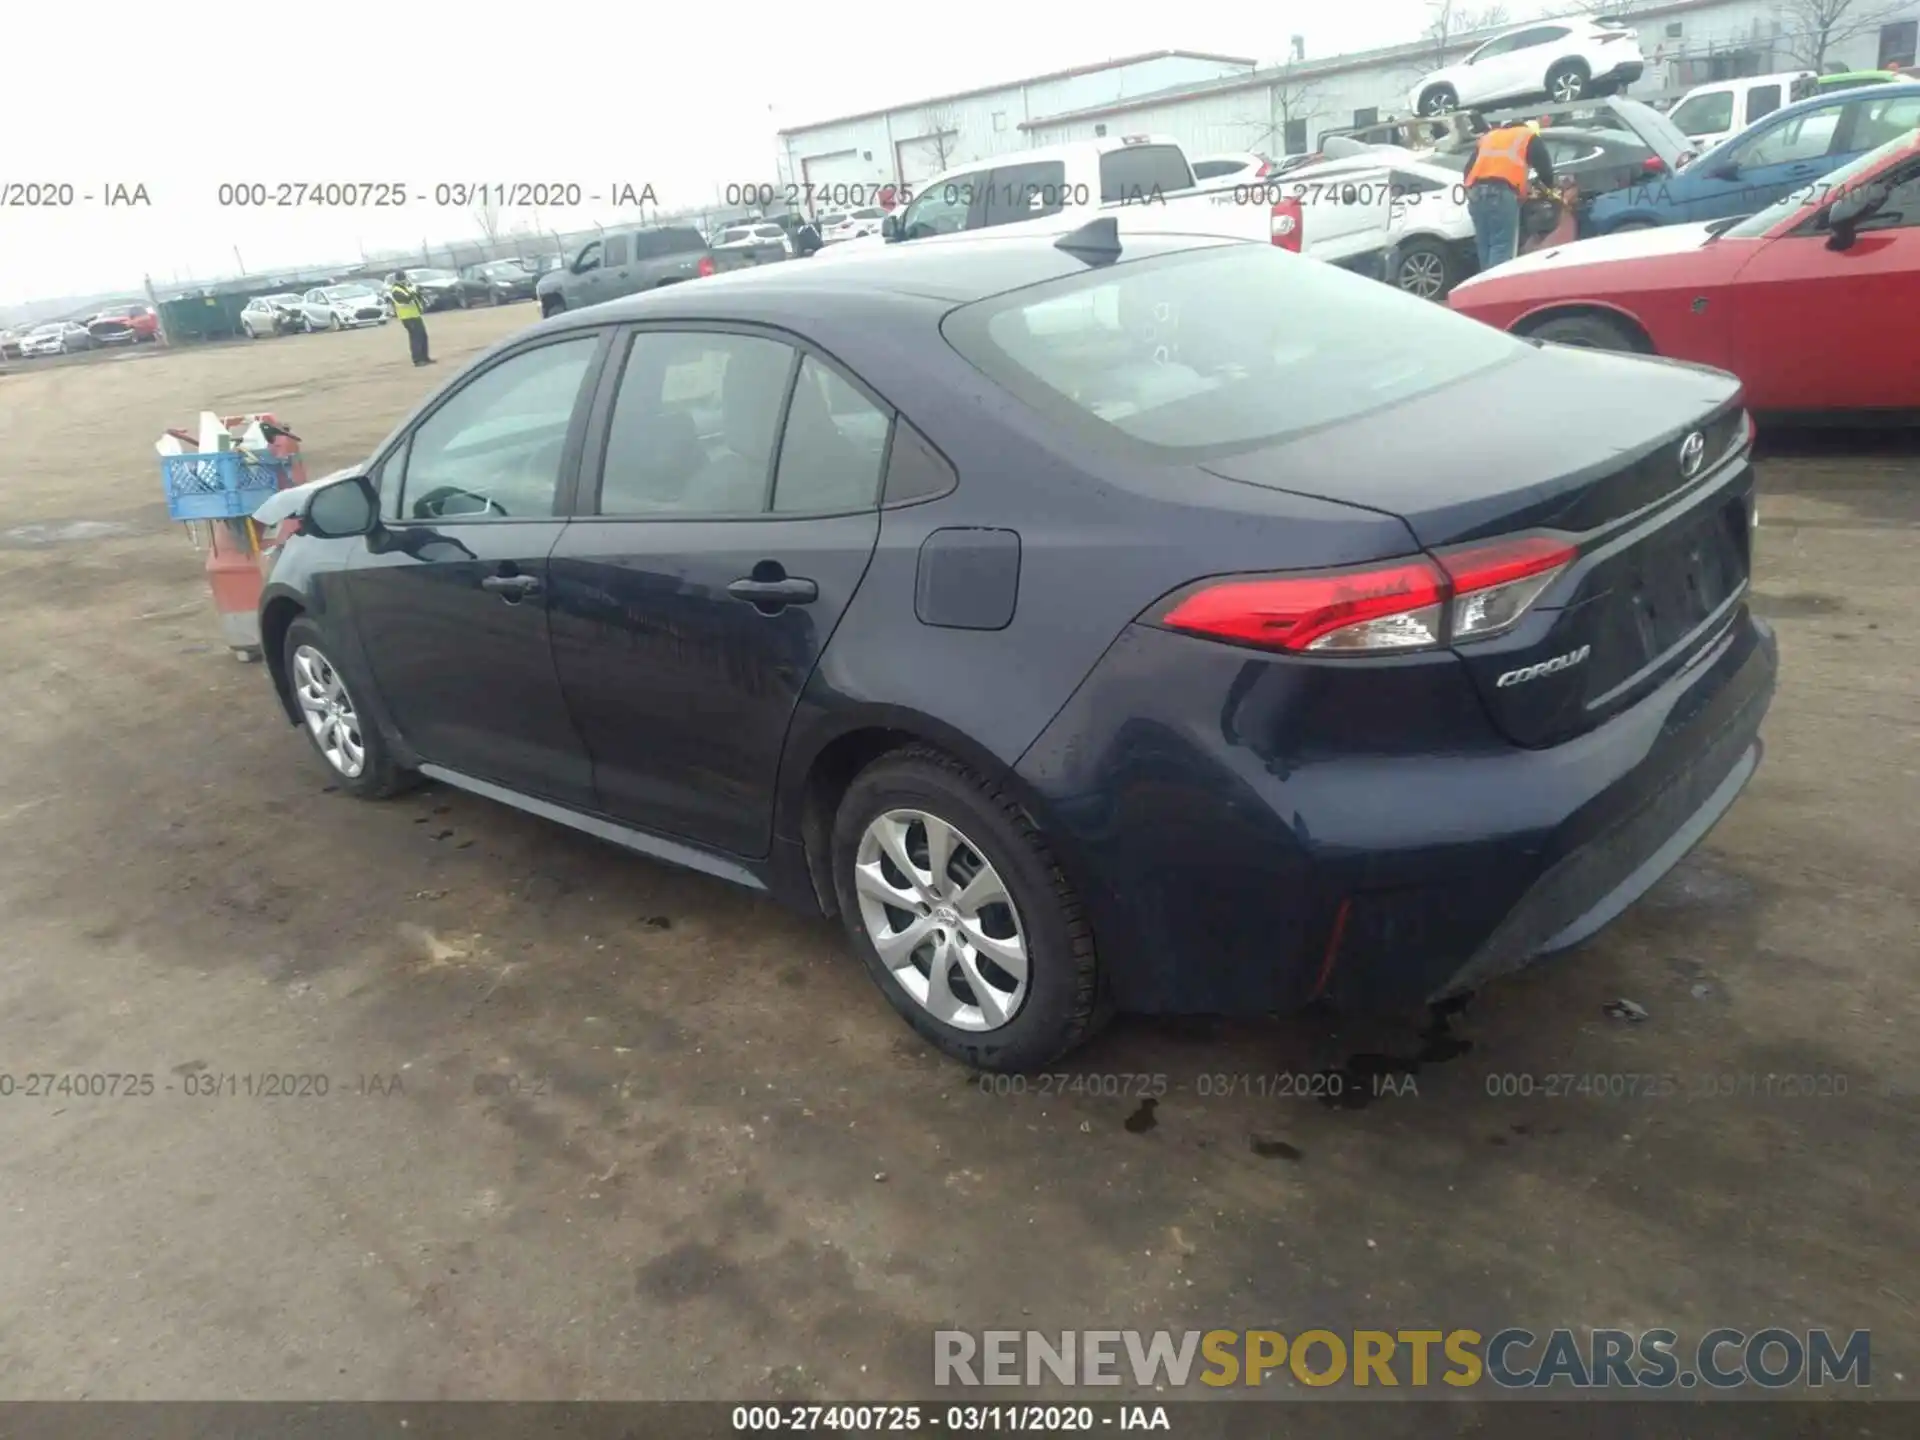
pixel 1762 100
pixel 1212 169
pixel 616 250
pixel 679 240
pixel 1028 192
pixel 832 448
pixel 694 425
pixel 1219 350
pixel 1141 174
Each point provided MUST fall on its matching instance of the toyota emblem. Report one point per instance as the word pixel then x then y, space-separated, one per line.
pixel 1693 450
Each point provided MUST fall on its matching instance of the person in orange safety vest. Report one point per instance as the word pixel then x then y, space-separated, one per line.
pixel 1497 183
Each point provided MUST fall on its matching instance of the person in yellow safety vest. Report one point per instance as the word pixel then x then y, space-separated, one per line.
pixel 407 310
pixel 1497 183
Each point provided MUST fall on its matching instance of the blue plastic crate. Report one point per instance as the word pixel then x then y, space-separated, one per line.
pixel 222 486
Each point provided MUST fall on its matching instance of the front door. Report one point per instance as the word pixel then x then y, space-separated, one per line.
pixel 738 482
pixel 1780 158
pixel 450 595
pixel 1820 329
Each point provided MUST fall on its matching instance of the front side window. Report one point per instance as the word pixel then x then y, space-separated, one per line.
pixel 1762 100
pixel 832 448
pixel 940 209
pixel 694 425
pixel 1219 350
pixel 588 258
pixel 494 449
pixel 1800 137
pixel 1829 186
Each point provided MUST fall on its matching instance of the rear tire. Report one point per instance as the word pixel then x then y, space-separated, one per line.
pixel 1424 268
pixel 1567 82
pixel 1052 1007
pixel 1438 100
pixel 351 747
pixel 1592 332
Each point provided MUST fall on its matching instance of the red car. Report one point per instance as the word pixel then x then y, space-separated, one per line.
pixel 124 325
pixel 1808 302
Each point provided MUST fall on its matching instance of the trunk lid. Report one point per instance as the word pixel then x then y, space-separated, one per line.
pixel 1587 445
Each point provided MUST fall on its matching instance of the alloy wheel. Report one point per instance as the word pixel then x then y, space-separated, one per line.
pixel 941 919
pixel 1567 88
pixel 1423 273
pixel 329 711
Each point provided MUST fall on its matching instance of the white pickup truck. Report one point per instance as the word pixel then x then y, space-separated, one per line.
pixel 1145 181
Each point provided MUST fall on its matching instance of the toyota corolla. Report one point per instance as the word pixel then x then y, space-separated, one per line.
pixel 1090 623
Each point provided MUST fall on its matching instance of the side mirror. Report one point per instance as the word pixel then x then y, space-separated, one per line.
pixel 1846 213
pixel 890 228
pixel 345 508
pixel 1726 170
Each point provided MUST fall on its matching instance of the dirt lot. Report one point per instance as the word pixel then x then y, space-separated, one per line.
pixel 597 1128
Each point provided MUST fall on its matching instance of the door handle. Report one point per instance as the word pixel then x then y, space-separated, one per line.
pixel 770 595
pixel 512 588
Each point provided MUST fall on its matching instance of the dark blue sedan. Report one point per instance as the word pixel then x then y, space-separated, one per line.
pixel 1092 622
pixel 1786 151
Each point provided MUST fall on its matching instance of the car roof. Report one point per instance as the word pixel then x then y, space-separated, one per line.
pixel 1818 102
pixel 958 269
pixel 1041 155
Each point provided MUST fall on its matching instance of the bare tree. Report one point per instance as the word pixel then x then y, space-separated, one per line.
pixel 941 133
pixel 1815 27
pixel 1289 100
pixel 486 215
pixel 1451 20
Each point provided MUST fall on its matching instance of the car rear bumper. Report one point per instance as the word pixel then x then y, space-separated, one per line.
pixel 1251 834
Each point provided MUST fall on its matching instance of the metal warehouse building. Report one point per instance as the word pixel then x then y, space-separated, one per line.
pixel 910 143
pixel 1215 103
pixel 1285 109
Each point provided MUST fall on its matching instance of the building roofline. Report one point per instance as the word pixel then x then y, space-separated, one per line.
pixel 1070 74
pixel 1336 65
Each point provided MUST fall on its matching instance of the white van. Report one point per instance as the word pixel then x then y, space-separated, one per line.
pixel 1708 114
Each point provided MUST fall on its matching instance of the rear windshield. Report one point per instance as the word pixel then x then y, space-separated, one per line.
pixel 1213 351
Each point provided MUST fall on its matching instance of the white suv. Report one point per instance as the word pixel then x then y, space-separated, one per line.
pixel 1564 60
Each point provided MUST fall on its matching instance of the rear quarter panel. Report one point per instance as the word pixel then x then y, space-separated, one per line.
pixel 1102 536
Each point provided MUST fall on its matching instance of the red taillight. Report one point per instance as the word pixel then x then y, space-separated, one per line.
pixel 1495 583
pixel 1394 607
pixel 1474 591
pixel 706 266
pixel 1654 165
pixel 1286 223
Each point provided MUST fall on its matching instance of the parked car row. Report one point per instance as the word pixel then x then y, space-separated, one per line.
pixel 133 324
pixel 347 306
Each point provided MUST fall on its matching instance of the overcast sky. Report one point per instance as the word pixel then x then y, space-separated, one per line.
pixel 183 96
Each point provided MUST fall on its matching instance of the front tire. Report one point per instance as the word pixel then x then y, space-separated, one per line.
pixel 333 322
pixel 345 737
pixel 961 914
pixel 1591 332
pixel 552 305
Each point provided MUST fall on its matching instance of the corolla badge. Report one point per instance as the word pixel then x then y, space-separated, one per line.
pixel 1693 453
pixel 1545 667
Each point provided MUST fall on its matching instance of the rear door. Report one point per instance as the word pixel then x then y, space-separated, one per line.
pixel 450 598
pixel 1818 329
pixel 732 489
